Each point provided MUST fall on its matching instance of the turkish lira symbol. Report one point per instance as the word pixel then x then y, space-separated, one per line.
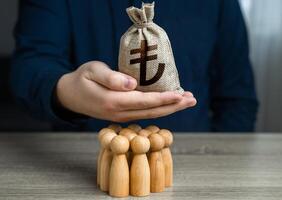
pixel 143 50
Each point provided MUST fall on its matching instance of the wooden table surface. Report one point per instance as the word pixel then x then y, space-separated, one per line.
pixel 207 166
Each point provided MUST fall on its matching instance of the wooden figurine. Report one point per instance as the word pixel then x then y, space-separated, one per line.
pixel 126 131
pixel 106 160
pixel 157 170
pixel 167 158
pixel 140 170
pixel 129 134
pixel 135 127
pixel 119 173
pixel 100 134
pixel 144 132
pixel 115 127
pixel 153 128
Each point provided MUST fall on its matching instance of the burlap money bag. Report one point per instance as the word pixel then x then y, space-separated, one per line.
pixel 145 53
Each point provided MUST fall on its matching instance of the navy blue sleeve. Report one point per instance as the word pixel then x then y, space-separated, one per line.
pixel 233 97
pixel 42 54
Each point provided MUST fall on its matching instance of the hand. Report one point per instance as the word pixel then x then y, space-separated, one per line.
pixel 97 91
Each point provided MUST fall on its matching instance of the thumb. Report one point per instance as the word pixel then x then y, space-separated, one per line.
pixel 102 74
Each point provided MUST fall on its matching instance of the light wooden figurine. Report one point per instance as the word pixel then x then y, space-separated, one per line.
pixel 167 158
pixel 140 170
pixel 157 170
pixel 153 128
pixel 106 160
pixel 115 127
pixel 145 132
pixel 100 134
pixel 135 127
pixel 119 173
pixel 129 134
pixel 126 131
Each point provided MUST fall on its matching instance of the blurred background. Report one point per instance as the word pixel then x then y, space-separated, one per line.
pixel 264 21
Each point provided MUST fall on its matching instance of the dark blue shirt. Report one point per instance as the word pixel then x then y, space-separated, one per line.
pixel 208 38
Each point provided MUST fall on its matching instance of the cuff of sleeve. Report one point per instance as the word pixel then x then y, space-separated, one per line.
pixel 54 113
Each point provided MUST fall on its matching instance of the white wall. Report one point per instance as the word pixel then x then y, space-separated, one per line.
pixel 264 20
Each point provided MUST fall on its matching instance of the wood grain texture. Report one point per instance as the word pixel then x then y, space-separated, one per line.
pixel 206 166
pixel 119 172
pixel 139 169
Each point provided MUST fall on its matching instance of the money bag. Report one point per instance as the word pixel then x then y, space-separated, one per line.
pixel 145 53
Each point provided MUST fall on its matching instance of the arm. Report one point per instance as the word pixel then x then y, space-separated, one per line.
pixel 41 57
pixel 233 98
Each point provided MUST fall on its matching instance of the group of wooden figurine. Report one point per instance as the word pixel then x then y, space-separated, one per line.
pixel 134 161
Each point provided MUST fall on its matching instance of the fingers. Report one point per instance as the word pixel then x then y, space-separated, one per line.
pixel 156 112
pixel 102 74
pixel 119 103
pixel 188 94
pixel 135 100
